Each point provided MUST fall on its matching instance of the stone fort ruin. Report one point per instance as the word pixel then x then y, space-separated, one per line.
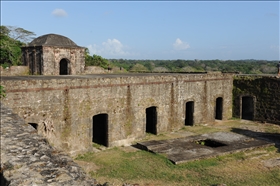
pixel 72 112
pixel 53 54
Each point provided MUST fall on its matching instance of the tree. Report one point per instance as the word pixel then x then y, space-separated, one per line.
pixel 95 60
pixel 139 67
pixel 11 41
pixel 21 34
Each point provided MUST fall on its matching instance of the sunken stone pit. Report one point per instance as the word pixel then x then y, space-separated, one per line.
pixel 191 148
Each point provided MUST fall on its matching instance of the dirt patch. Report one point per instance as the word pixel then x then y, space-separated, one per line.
pixel 87 166
pixel 274 162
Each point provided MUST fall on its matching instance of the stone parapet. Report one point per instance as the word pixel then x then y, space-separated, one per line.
pixel 27 158
pixel 264 91
pixel 14 71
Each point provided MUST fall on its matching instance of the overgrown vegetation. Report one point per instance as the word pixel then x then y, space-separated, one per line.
pixel 2 92
pixel 95 60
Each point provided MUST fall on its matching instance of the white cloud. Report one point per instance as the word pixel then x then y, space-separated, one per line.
pixel 59 13
pixel 111 47
pixel 94 49
pixel 114 47
pixel 180 45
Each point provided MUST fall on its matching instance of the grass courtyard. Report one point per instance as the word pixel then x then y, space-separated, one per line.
pixel 121 165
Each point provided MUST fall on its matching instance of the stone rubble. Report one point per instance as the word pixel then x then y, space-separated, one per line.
pixel 27 158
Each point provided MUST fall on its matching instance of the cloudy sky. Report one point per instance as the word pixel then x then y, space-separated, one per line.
pixel 156 30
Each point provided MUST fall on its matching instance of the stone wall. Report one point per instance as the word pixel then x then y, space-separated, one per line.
pixel 27 159
pixel 14 71
pixel 96 70
pixel 265 92
pixel 53 55
pixel 62 107
pixel 45 60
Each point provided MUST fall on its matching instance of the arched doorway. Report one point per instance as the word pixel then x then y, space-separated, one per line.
pixel 64 67
pixel 151 120
pixel 189 113
pixel 219 108
pixel 247 108
pixel 100 129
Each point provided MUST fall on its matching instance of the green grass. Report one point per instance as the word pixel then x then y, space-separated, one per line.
pixel 145 167
pixel 118 165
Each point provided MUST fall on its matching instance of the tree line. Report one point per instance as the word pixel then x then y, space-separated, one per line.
pixel 13 38
pixel 249 66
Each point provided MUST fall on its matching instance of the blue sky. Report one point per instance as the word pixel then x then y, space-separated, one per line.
pixel 158 29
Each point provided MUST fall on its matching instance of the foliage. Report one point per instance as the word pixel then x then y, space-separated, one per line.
pixel 2 92
pixel 11 41
pixel 139 67
pixel 95 60
pixel 179 65
pixel 20 34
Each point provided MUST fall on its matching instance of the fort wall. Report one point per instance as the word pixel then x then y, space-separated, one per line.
pixel 27 159
pixel 14 71
pixel 265 95
pixel 62 107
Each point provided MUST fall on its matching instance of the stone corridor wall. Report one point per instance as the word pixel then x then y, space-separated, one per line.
pixel 266 93
pixel 62 107
pixel 27 159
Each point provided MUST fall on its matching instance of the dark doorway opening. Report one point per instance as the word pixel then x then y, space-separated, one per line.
pixel 189 113
pixel 100 129
pixel 63 67
pixel 247 108
pixel 210 143
pixel 34 125
pixel 151 120
pixel 219 108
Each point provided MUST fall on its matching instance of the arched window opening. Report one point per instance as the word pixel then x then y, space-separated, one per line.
pixel 151 120
pixel 219 108
pixel 189 113
pixel 34 125
pixel 64 67
pixel 100 129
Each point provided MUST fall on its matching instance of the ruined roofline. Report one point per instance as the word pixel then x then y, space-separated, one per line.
pixel 53 40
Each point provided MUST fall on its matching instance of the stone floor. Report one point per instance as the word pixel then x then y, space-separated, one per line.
pixel 190 148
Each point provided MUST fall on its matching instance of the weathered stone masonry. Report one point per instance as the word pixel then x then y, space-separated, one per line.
pixel 62 107
pixel 27 159
pixel 53 54
pixel 264 93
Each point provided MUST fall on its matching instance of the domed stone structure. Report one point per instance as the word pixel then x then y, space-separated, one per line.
pixel 54 54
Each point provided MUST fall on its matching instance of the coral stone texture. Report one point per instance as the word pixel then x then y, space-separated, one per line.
pixel 257 98
pixel 53 54
pixel 27 159
pixel 66 109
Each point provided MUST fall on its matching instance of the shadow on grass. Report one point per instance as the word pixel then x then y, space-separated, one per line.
pixel 271 137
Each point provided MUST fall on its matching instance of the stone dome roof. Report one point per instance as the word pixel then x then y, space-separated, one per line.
pixel 53 40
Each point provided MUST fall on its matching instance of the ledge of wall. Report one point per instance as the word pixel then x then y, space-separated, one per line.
pixel 265 90
pixel 28 159
pixel 14 71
